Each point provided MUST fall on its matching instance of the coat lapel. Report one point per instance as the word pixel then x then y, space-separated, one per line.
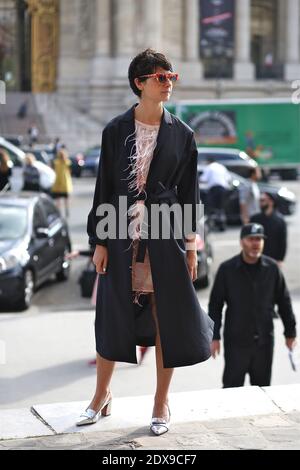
pixel 163 140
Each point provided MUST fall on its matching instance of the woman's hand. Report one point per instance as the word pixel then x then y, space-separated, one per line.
pixel 192 262
pixel 100 259
pixel 215 348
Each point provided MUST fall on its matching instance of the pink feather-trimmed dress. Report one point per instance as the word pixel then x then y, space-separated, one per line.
pixel 145 137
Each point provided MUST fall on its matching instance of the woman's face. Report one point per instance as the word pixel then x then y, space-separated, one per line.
pixel 152 89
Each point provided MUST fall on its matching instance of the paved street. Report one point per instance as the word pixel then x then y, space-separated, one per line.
pixel 47 347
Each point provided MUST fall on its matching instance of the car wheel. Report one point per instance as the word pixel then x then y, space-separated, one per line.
pixel 27 291
pixel 203 282
pixel 64 273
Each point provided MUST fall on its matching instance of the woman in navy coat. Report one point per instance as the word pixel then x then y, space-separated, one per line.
pixel 146 294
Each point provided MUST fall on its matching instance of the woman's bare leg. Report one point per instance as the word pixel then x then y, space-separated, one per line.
pixel 164 376
pixel 58 203
pixel 105 370
pixel 67 212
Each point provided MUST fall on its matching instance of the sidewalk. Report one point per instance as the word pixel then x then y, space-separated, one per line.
pixel 238 418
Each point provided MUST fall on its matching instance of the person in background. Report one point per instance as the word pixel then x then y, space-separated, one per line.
pixel 31 174
pixel 249 196
pixel 63 184
pixel 275 228
pixel 250 284
pixel 218 179
pixel 23 110
pixel 250 144
pixel 33 133
pixel 5 170
pixel 56 146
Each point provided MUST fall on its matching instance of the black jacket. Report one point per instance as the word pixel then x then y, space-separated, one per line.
pixel 276 232
pixel 4 178
pixel 185 330
pixel 250 301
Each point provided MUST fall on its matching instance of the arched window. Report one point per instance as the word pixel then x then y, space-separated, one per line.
pixel 264 39
pixel 14 45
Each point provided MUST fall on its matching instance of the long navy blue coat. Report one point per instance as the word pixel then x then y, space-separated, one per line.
pixel 185 329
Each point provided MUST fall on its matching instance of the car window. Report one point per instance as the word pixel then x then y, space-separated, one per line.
pixel 93 153
pixel 38 217
pixel 219 157
pixel 14 157
pixel 13 222
pixel 50 211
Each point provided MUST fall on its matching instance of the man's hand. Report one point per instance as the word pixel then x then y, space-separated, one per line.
pixel 215 348
pixel 100 259
pixel 191 257
pixel 290 343
pixel 72 255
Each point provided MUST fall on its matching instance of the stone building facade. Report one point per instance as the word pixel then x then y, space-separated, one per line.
pixel 98 38
pixel 80 49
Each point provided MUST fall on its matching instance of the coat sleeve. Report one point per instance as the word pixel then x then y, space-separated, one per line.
pixel 103 188
pixel 282 241
pixel 188 186
pixel 216 302
pixel 285 309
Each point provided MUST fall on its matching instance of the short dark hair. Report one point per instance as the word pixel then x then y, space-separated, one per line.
pixel 272 196
pixel 145 63
pixel 252 171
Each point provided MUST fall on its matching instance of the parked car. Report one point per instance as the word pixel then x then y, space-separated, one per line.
pixel 34 242
pixel 77 164
pixel 15 140
pixel 40 154
pixel 17 156
pixel 233 159
pixel 286 199
pixel 91 159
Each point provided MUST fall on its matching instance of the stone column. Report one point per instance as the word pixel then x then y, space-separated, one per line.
pixel 102 29
pixel 67 58
pixel 191 67
pixel 292 56
pixel 123 45
pixel 100 64
pixel 152 22
pixel 281 32
pixel 191 30
pixel 243 68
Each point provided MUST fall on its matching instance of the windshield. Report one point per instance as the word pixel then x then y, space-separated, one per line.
pixel 218 157
pixel 13 222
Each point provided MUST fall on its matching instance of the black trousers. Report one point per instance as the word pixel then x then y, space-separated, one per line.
pixel 255 360
pixel 216 203
pixel 216 198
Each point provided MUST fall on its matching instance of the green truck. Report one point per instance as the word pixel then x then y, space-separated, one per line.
pixel 267 129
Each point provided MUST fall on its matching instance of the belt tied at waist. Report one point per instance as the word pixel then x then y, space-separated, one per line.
pixel 165 196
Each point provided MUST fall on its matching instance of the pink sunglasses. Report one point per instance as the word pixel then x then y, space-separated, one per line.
pixel 162 77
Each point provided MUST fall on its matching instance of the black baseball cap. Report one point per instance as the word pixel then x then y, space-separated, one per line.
pixel 272 196
pixel 252 230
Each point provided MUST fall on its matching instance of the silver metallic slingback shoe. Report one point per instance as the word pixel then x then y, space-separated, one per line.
pixel 90 416
pixel 160 426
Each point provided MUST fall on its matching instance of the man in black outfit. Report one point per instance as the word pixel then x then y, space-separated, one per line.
pixel 274 226
pixel 250 284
